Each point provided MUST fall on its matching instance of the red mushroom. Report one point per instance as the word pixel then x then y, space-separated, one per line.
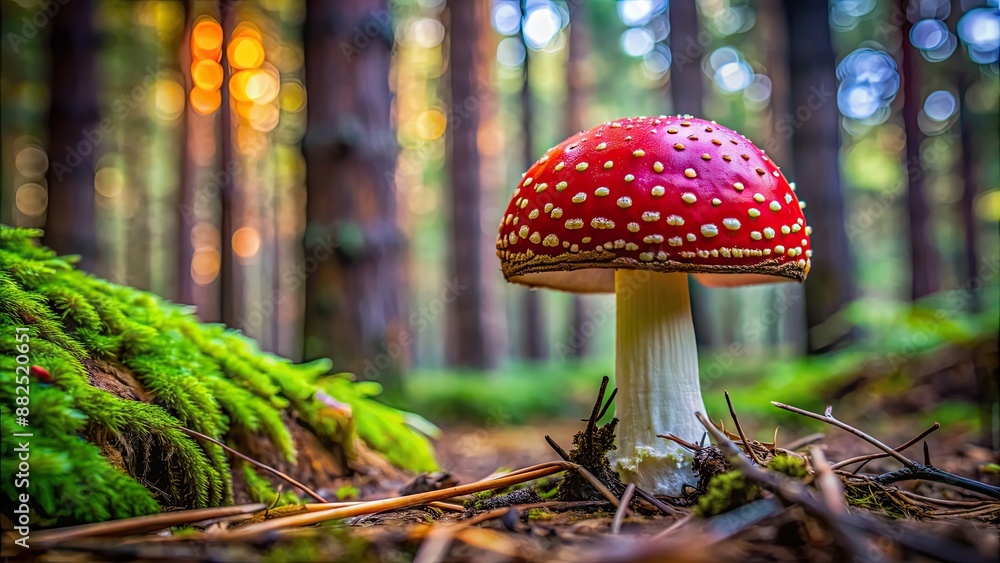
pixel 631 206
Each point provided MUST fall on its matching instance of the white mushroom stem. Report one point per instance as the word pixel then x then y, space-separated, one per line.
pixel 656 374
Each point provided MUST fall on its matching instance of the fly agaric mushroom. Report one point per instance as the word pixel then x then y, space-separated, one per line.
pixel 632 206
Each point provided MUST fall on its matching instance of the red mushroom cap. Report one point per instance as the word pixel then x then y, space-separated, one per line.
pixel 667 194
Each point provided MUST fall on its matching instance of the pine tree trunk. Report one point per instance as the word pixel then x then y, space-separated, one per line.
pixel 815 138
pixel 230 283
pixel 686 93
pixel 534 341
pixel 75 134
pixel 924 261
pixel 967 172
pixel 468 339
pixel 576 101
pixel 353 248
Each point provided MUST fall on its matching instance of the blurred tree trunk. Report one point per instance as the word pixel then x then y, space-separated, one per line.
pixel 815 135
pixel 230 283
pixel 967 172
pixel 534 343
pixel 576 103
pixel 353 246
pixel 686 92
pixel 924 260
pixel 75 134
pixel 468 343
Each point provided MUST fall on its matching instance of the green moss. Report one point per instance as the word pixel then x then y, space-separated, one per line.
pixel 540 514
pixel 725 492
pixel 97 455
pixel 793 466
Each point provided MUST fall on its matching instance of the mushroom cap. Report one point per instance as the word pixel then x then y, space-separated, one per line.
pixel 665 194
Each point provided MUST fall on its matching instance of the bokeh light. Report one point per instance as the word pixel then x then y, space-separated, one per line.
pixel 292 96
pixel 431 124
pixel 541 24
pixel 31 199
pixel 31 162
pixel 506 17
pixel 941 105
pixel 169 99
pixel 728 70
pixel 846 14
pixel 979 29
pixel 262 85
pixel 510 52
pixel 639 12
pixel 205 265
pixel 109 181
pixel 869 82
pixel 928 34
pixel 206 74
pixel 427 32
pixel 637 41
pixel 206 39
pixel 246 242
pixel 205 102
pixel 657 62
pixel 245 52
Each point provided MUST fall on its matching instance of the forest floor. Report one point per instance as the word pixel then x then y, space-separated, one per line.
pixel 504 494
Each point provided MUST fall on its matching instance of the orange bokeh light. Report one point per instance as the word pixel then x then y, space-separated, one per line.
pixel 262 85
pixel 206 39
pixel 206 74
pixel 246 242
pixel 238 86
pixel 245 52
pixel 247 29
pixel 204 101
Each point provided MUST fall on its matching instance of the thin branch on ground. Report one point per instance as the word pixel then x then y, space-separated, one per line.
pixel 616 522
pixel 900 448
pixel 739 430
pixel 911 470
pixel 254 462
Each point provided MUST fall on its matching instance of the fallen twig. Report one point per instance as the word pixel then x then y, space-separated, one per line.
pixel 900 448
pixel 137 525
pixel 616 522
pixel 739 430
pixel 254 462
pixel 911 469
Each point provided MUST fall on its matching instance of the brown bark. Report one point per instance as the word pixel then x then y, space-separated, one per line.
pixel 230 283
pixel 353 247
pixel 468 340
pixel 196 129
pixel 75 134
pixel 576 102
pixel 924 261
pixel 534 343
pixel 814 127
pixel 967 173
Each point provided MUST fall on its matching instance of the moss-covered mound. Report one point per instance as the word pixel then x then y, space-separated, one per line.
pixel 108 374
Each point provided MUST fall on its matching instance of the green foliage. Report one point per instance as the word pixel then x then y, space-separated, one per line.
pixel 92 451
pixel 726 491
pixel 260 490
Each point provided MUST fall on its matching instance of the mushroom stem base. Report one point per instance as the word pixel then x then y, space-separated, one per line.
pixel 657 377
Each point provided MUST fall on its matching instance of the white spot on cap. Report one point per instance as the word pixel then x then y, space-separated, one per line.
pixel 675 241
pixel 689 197
pixel 629 177
pixel 602 192
pixel 625 202
pixel 753 212
pixel 731 224
pixel 738 186
pixel 759 198
pixel 608 165
pixel 633 227
pixel 709 230
pixel 658 166
pixel 561 186
pixel 650 216
pixel 580 198
pixel 573 224
pixel 527 181
pixel 775 206
pixel 690 173
pixel 675 220
pixel 691 237
pixel 755 235
pixel 601 146
pixel 560 166
pixel 581 167
pixel 638 153
pixel 657 191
